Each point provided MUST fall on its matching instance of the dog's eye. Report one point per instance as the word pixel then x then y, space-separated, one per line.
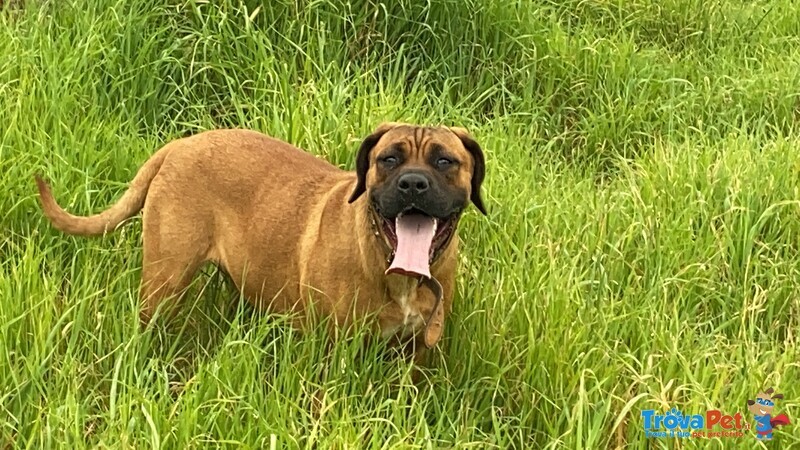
pixel 389 160
pixel 444 163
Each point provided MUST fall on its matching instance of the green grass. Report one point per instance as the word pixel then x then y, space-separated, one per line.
pixel 642 249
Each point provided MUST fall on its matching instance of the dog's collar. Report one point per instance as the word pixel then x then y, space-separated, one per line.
pixel 387 249
pixel 433 325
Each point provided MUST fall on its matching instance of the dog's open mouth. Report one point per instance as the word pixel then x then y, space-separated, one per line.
pixel 416 240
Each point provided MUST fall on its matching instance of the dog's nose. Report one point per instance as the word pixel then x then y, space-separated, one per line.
pixel 413 183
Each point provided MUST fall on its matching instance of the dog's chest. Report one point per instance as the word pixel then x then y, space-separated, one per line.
pixel 404 317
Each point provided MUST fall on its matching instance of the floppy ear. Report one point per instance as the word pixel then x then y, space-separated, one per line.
pixel 777 396
pixel 362 158
pixel 478 166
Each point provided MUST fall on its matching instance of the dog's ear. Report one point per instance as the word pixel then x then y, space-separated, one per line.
pixel 751 402
pixel 777 396
pixel 478 166
pixel 362 158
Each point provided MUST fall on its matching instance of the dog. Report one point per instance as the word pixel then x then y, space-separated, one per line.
pixel 762 408
pixel 290 228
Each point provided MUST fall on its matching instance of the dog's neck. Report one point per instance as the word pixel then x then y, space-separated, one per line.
pixel 387 250
pixel 374 250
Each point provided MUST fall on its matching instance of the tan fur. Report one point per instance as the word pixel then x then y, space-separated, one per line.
pixel 130 203
pixel 277 220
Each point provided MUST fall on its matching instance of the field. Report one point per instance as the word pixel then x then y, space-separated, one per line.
pixel 642 248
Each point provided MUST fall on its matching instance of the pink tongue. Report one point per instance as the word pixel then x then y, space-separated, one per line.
pixel 414 239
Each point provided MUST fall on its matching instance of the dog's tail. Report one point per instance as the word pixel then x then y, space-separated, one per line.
pixel 131 203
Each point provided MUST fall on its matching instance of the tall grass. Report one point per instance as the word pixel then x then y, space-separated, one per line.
pixel 641 249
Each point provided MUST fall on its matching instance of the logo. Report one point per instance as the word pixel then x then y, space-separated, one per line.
pixel 716 424
pixel 712 424
pixel 762 408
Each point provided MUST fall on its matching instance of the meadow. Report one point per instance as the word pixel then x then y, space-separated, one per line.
pixel 642 248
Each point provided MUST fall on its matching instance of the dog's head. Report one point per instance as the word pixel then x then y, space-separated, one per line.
pixel 764 402
pixel 418 181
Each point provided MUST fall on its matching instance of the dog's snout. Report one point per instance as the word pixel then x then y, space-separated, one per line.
pixel 413 183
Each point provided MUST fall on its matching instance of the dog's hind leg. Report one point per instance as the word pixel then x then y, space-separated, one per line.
pixel 164 277
pixel 172 254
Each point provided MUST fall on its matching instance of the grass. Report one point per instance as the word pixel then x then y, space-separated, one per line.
pixel 642 249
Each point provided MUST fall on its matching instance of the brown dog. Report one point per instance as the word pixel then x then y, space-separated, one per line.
pixel 289 227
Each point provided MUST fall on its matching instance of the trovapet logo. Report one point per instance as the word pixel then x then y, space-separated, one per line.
pixel 762 408
pixel 716 424
pixel 711 424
